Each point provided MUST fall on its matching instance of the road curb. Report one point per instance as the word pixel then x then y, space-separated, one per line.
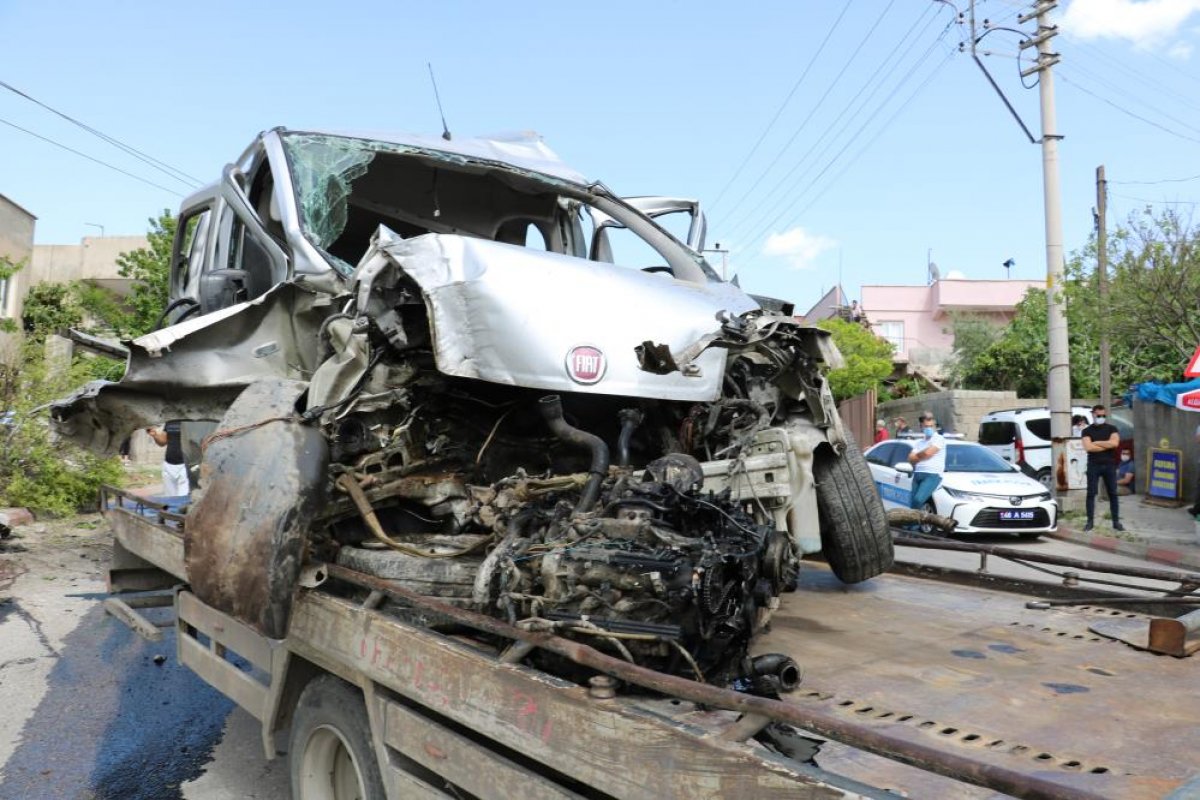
pixel 1177 555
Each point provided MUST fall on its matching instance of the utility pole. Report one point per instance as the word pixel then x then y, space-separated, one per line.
pixel 724 259
pixel 1102 281
pixel 1058 383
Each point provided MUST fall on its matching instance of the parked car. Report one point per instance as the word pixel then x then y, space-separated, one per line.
pixel 1021 436
pixel 980 491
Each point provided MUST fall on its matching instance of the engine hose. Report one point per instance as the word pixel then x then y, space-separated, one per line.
pixel 779 666
pixel 552 412
pixel 630 418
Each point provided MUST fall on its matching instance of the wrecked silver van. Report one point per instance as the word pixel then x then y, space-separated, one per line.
pixel 460 365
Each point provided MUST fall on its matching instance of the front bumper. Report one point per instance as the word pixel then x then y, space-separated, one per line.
pixel 984 517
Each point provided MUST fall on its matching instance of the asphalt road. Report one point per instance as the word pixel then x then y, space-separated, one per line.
pixel 92 711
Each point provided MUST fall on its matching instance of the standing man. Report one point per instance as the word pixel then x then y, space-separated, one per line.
pixel 1101 442
pixel 928 458
pixel 881 431
pixel 174 470
pixel 901 426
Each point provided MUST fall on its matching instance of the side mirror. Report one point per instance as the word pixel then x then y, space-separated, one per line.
pixel 222 288
pixel 904 467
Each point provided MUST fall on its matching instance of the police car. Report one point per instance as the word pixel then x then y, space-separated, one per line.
pixel 981 491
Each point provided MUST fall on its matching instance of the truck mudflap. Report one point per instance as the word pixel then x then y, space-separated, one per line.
pixel 263 479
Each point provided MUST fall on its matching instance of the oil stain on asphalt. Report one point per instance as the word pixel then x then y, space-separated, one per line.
pixel 114 724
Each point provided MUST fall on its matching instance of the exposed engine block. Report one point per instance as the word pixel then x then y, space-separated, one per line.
pixel 665 575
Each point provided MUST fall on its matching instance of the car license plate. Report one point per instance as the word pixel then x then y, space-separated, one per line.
pixel 1023 514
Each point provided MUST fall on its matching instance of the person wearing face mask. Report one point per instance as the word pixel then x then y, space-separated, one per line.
pixel 928 458
pixel 1102 443
pixel 1125 475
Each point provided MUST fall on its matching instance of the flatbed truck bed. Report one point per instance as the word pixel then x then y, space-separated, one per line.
pixel 913 687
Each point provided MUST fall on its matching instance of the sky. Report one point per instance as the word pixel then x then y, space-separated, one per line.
pixel 827 141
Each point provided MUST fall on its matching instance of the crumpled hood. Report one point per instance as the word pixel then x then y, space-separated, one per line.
pixel 1010 484
pixel 513 315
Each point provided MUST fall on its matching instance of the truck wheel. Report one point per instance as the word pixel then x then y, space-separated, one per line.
pixel 330 754
pixel 855 536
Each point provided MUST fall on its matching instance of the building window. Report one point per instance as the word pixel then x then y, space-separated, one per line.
pixel 893 332
pixel 4 283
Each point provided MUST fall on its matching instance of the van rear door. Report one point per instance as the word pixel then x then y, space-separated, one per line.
pixel 1000 438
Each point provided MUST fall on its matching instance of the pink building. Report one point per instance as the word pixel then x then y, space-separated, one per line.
pixel 918 319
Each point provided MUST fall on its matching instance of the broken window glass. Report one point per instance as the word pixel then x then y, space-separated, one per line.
pixel 323 169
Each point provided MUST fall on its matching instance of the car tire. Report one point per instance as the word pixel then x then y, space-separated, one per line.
pixel 1044 477
pixel 330 754
pixel 924 527
pixel 855 536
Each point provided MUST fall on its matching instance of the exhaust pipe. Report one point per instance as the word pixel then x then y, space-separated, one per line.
pixel 551 408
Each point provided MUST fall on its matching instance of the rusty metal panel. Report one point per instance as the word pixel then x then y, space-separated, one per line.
pixel 608 745
pixel 858 417
pixel 263 480
pixel 150 542
pixel 406 786
pixel 224 630
pixel 223 676
pixel 463 762
pixel 977 673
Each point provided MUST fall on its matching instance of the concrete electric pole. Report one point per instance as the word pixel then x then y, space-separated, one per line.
pixel 1058 382
pixel 1102 282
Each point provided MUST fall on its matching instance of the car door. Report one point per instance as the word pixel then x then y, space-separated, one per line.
pixel 894 486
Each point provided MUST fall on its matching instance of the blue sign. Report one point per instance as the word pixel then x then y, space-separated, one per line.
pixel 1165 473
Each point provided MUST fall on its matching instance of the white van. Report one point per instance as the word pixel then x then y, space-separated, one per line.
pixel 1021 436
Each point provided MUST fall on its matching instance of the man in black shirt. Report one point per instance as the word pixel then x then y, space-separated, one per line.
pixel 1101 442
pixel 174 470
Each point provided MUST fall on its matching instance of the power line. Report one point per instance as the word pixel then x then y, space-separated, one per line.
pixel 737 173
pixel 1164 180
pixel 1145 81
pixel 1125 110
pixel 1131 96
pixel 1156 202
pixel 764 229
pixel 89 158
pixel 784 181
pixel 162 167
pixel 796 133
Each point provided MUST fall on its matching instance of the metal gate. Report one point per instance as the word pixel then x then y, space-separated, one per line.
pixel 858 417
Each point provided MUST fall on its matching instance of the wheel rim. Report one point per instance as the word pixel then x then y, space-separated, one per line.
pixel 927 527
pixel 328 770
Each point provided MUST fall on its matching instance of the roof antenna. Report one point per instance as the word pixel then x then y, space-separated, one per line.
pixel 436 96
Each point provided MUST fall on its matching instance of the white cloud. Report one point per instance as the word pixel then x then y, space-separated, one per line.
pixel 1142 22
pixel 1180 51
pixel 798 246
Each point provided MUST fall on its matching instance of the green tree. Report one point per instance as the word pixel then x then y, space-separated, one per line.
pixel 973 334
pixel 1153 307
pixel 50 308
pixel 37 470
pixel 150 270
pixel 868 358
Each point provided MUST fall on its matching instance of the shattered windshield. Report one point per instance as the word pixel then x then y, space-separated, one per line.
pixel 346 188
pixel 323 170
